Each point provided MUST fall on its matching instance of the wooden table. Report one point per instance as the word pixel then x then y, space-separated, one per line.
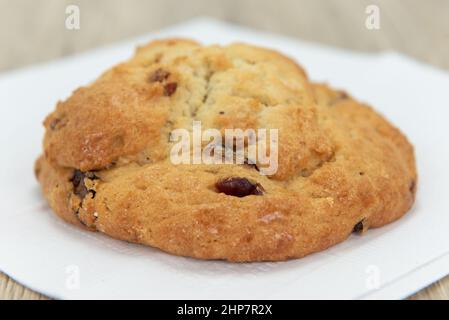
pixel 34 31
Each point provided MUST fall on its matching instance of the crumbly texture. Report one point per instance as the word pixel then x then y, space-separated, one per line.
pixel 342 167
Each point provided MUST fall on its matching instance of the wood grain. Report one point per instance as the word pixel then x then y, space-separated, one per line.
pixel 34 31
pixel 10 289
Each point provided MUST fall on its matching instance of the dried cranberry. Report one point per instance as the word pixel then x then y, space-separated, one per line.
pixel 238 187
pixel 159 75
pixel 170 88
pixel 358 228
pixel 54 123
pixel 412 186
pixel 78 182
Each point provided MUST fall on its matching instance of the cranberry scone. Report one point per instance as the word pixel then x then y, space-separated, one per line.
pixel 107 166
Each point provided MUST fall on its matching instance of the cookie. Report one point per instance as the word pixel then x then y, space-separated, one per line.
pixel 341 167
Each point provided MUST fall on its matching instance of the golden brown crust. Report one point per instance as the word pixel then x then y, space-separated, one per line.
pixel 341 165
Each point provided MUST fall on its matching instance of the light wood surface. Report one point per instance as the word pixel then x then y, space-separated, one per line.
pixel 33 31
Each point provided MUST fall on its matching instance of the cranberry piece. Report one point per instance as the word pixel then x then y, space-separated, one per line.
pixel 159 75
pixel 238 187
pixel 170 88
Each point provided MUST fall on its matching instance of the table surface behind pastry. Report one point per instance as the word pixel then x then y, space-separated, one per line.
pixel 37 31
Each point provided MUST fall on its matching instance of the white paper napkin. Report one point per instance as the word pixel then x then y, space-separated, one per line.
pixel 47 255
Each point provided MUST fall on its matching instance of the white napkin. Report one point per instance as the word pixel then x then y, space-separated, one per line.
pixel 47 255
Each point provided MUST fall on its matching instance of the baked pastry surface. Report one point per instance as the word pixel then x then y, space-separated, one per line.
pixel 106 165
